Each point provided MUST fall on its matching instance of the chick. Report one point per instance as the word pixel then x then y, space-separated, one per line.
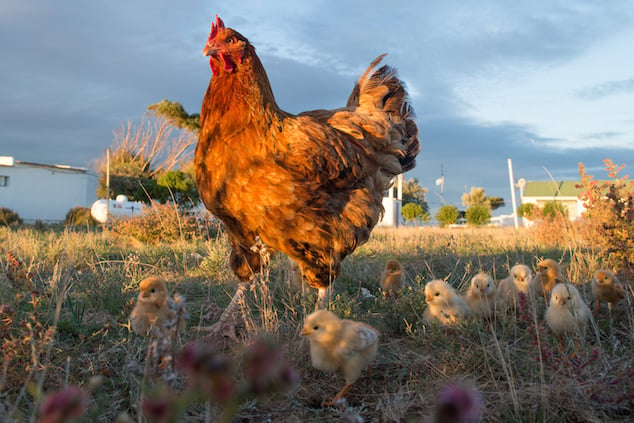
pixel 508 290
pixel 338 344
pixel 444 305
pixel 151 308
pixel 549 273
pixel 567 313
pixel 607 287
pixel 393 278
pixel 481 296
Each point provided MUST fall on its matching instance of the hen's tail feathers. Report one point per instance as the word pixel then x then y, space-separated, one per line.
pixel 382 89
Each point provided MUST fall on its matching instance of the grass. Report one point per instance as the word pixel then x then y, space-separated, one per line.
pixel 75 331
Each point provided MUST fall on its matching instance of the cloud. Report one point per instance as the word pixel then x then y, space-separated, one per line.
pixel 606 89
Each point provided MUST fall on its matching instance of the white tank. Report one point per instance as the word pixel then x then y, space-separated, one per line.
pixel 119 207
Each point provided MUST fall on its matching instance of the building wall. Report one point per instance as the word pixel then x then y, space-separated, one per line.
pixel 39 192
pixel 573 204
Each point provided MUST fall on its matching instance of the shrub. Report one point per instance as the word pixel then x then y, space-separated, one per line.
pixel 159 223
pixel 79 216
pixel 8 217
pixel 447 215
pixel 528 211
pixel 554 210
pixel 477 215
pixel 609 215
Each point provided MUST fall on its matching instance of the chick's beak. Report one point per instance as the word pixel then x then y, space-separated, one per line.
pixel 305 332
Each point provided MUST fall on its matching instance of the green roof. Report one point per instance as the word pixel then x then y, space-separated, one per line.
pixel 552 189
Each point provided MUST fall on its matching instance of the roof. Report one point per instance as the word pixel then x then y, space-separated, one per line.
pixel 552 189
pixel 11 162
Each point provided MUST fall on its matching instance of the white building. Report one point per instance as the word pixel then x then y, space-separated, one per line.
pixel 564 192
pixel 392 205
pixel 44 192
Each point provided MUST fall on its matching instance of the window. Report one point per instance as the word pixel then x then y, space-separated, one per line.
pixel 4 181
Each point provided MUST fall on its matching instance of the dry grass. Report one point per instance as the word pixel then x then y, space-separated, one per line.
pixel 87 284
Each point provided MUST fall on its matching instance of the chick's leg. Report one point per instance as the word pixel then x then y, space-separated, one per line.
pixel 340 395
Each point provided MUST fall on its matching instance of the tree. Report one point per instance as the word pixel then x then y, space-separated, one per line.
pixel 181 187
pixel 414 212
pixel 447 215
pixel 140 155
pixel 176 115
pixel 478 215
pixel 477 196
pixel 414 193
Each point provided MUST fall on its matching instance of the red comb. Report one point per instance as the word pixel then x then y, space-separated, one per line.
pixel 215 27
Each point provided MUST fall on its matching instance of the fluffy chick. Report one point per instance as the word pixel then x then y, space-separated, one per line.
pixel 567 313
pixel 151 308
pixel 393 278
pixel 518 280
pixel 549 273
pixel 339 344
pixel 607 287
pixel 444 305
pixel 481 296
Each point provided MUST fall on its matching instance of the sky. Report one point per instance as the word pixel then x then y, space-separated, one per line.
pixel 545 83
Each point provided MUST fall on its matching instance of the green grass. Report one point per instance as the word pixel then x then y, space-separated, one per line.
pixel 517 367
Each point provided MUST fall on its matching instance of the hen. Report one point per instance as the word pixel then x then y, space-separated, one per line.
pixel 340 344
pixel 308 185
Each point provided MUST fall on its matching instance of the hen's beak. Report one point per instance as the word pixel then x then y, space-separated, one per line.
pixel 305 332
pixel 210 49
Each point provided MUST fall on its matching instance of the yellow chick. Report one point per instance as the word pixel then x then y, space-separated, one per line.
pixel 549 274
pixel 508 290
pixel 151 308
pixel 444 305
pixel 607 287
pixel 481 296
pixel 339 344
pixel 393 278
pixel 567 313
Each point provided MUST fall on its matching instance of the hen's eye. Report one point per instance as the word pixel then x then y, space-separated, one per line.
pixel 152 290
pixel 230 40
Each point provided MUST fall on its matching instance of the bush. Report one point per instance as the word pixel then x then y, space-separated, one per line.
pixel 554 210
pixel 478 215
pixel 158 223
pixel 528 211
pixel 447 215
pixel 609 216
pixel 8 217
pixel 79 216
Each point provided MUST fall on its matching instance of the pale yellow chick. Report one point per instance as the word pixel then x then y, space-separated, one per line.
pixel 444 305
pixel 518 280
pixel 607 287
pixel 151 308
pixel 549 273
pixel 481 296
pixel 339 344
pixel 567 313
pixel 393 278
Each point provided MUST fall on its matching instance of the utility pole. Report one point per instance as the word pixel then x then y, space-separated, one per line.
pixel 512 181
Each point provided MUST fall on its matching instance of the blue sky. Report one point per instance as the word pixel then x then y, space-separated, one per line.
pixel 546 83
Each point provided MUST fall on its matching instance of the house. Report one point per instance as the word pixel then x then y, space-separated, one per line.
pixel 564 192
pixel 44 192
pixel 392 205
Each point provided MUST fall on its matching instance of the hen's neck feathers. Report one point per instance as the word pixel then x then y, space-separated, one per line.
pixel 241 97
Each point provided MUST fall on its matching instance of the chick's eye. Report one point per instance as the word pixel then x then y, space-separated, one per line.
pixel 316 327
pixel 437 293
pixel 153 290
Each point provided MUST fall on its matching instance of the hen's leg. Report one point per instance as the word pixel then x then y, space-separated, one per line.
pixel 323 298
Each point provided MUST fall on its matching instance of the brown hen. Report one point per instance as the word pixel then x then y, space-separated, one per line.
pixel 308 185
